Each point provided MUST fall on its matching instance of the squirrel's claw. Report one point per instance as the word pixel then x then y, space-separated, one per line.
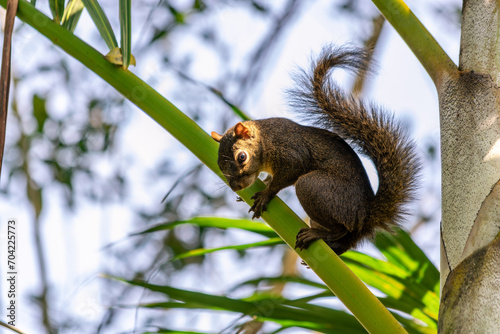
pixel 306 237
pixel 257 209
pixel 255 216
pixel 260 204
pixel 301 239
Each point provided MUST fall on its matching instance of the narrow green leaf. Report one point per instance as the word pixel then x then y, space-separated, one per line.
pixel 125 28
pixel 203 251
pixel 230 304
pixel 415 312
pixel 388 302
pixel 233 107
pixel 72 14
pixel 280 280
pixel 265 309
pixel 409 294
pixel 307 299
pixel 223 223
pixel 405 290
pixel 426 272
pixel 412 327
pixel 376 264
pixel 393 251
pixel 176 305
pixel 57 9
pixel 302 303
pixel 400 250
pixel 386 284
pixel 336 327
pixel 219 95
pixel 102 23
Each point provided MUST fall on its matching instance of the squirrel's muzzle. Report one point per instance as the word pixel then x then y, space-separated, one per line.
pixel 242 182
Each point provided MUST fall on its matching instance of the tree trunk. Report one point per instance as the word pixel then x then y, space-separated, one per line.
pixel 470 146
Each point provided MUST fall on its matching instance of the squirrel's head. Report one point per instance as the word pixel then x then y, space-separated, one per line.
pixel 239 154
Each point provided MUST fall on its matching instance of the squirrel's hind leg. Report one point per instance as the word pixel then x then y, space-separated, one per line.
pixel 333 238
pixel 334 208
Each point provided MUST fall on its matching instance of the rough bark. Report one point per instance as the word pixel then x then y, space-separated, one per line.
pixel 470 145
pixel 470 129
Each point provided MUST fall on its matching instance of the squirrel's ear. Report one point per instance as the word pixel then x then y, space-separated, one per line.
pixel 217 137
pixel 241 131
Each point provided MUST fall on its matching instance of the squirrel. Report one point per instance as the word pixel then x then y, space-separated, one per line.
pixel 330 180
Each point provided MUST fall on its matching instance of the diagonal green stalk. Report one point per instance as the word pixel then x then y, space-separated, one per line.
pixel 329 267
pixel 423 45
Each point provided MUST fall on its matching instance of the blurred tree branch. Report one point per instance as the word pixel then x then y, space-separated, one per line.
pixel 5 72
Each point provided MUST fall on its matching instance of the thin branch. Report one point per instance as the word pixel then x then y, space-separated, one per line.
pixel 5 72
pixel 42 267
pixel 35 198
pixel 262 52
pixel 370 44
pixel 12 328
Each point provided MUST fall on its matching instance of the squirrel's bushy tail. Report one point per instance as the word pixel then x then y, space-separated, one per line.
pixel 372 131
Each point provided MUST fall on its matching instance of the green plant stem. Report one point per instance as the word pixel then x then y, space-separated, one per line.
pixel 125 31
pixel 423 45
pixel 328 266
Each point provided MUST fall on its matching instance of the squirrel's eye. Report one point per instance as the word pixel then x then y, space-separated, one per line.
pixel 242 157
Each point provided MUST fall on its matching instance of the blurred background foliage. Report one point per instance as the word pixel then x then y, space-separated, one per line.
pixel 67 139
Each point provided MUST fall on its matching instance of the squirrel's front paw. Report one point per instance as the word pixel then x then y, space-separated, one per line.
pixel 261 198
